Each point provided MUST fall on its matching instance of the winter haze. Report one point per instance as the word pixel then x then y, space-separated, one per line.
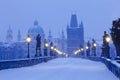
pixel 97 15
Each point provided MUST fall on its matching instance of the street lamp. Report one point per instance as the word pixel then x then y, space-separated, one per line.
pixel 87 47
pixel 45 48
pixel 94 44
pixel 52 47
pixel 82 49
pixel 79 50
pixel 28 40
pixel 55 49
pixel 46 44
pixel 105 46
pixel 107 39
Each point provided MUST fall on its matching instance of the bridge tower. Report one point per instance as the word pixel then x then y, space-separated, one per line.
pixel 75 35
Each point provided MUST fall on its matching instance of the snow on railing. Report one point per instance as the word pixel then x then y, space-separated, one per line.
pixel 17 63
pixel 112 65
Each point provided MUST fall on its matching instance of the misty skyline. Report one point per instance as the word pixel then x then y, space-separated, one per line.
pixel 97 16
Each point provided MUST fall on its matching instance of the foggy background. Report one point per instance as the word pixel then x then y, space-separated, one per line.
pixel 97 16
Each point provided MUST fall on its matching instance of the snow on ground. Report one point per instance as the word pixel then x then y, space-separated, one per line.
pixel 61 69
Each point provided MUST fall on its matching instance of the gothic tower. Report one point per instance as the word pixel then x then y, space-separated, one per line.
pixel 9 36
pixel 75 35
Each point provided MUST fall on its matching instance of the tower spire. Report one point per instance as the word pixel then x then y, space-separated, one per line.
pixel 73 22
pixel 81 25
pixel 9 36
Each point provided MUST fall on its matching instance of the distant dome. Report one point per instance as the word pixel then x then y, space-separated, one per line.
pixel 36 29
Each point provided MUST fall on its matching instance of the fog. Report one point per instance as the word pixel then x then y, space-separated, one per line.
pixel 97 16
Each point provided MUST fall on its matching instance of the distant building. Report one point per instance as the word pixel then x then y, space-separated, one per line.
pixel 18 50
pixel 9 36
pixel 75 35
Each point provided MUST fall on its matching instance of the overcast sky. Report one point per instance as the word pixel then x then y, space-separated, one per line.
pixel 97 15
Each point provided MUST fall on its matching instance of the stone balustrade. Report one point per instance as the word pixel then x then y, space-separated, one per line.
pixel 112 65
pixel 17 63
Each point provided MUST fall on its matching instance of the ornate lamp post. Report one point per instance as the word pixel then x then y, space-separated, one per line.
pixel 107 39
pixel 51 49
pixel 28 40
pixel 105 46
pixel 45 48
pixel 81 51
pixel 94 45
pixel 45 51
pixel 54 54
pixel 88 49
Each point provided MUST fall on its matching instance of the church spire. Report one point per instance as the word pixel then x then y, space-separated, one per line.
pixel 9 36
pixel 73 22
pixel 81 25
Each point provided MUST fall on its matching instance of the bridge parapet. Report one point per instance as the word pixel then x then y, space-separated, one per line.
pixel 17 63
pixel 112 65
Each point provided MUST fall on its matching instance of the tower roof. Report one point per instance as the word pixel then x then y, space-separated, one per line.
pixel 81 23
pixel 73 22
